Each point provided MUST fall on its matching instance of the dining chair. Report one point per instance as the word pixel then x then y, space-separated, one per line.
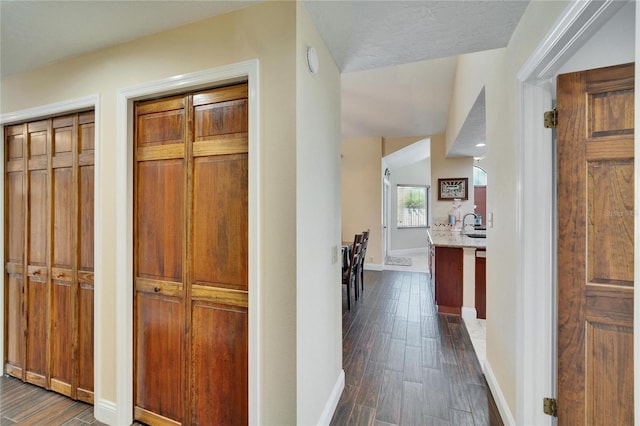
pixel 349 276
pixel 363 257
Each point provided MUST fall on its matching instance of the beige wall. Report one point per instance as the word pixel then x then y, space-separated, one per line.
pixel 362 192
pixel 442 167
pixel 496 71
pixel 265 31
pixel 319 295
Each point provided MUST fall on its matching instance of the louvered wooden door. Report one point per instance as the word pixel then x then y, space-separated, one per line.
pixel 49 252
pixel 191 258
pixel 596 246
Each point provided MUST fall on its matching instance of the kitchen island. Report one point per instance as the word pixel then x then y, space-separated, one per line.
pixel 457 269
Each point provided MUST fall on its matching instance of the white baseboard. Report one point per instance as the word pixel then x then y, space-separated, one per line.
pixel 105 412
pixel 332 402
pixel 373 267
pixel 469 313
pixel 498 396
pixel 402 252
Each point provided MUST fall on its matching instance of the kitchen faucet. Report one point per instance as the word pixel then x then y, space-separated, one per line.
pixel 465 217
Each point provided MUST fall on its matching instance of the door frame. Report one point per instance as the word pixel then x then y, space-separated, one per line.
pixel 535 233
pixel 42 111
pixel 243 71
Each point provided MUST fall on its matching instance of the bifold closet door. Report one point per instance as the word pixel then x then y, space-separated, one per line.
pixel 191 258
pixel 53 309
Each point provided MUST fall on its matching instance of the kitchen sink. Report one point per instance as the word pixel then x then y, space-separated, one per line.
pixel 476 235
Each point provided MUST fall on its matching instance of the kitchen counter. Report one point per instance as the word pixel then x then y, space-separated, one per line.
pixel 446 238
pixel 453 260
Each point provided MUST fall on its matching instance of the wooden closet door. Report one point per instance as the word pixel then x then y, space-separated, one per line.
pixel 49 234
pixel 219 256
pixel 160 252
pixel 38 237
pixel 15 199
pixel 84 255
pixel 191 238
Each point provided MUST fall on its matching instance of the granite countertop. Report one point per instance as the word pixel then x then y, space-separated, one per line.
pixel 447 238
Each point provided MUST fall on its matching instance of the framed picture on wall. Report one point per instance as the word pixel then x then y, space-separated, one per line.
pixel 450 188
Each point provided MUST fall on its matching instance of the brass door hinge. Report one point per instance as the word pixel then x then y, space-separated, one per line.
pixel 551 407
pixel 551 119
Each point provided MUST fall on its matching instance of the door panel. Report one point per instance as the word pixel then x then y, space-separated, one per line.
pixel 220 364
pixel 160 219
pixel 37 327
pixel 159 324
pixel 595 246
pixel 191 238
pixel 219 238
pixel 62 315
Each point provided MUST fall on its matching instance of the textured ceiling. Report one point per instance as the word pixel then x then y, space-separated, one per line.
pixel 369 34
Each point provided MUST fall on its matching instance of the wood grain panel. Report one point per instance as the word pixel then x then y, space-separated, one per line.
pixel 220 235
pixel 14 209
pixel 38 217
pixel 611 113
pixel 220 382
pixel 448 279
pixel 159 334
pixel 61 338
pixel 220 119
pixel 222 94
pixel 609 373
pixel 162 128
pixel 610 235
pixel 62 138
pixel 15 337
pixel 86 207
pixel 85 343
pixel 481 286
pixel 160 219
pixel 63 218
pixel 15 144
pixel 86 138
pixel 37 144
pixel 37 326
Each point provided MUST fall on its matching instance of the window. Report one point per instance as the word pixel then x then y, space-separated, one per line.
pixel 413 204
pixel 479 176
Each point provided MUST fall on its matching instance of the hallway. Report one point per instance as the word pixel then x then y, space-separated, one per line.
pixel 405 364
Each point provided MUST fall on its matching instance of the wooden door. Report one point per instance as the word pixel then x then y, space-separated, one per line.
pixel 191 258
pixel 49 228
pixel 595 246
pixel 480 200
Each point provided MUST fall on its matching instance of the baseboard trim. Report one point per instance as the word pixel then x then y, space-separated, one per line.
pixel 401 252
pixel 498 396
pixel 373 267
pixel 332 402
pixel 469 313
pixel 105 412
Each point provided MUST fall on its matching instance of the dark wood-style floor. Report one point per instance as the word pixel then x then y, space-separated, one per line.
pixel 24 404
pixel 404 363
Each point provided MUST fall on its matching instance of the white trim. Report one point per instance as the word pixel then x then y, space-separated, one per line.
pixel 498 396
pixel 404 252
pixel 57 108
pixel 247 70
pixel 469 313
pixel 332 402
pixel 535 301
pixel 105 412
pixel 373 267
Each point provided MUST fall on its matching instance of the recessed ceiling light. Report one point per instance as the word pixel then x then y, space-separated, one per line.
pixel 479 145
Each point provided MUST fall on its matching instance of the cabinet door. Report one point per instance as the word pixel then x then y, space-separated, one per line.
pixel 448 280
